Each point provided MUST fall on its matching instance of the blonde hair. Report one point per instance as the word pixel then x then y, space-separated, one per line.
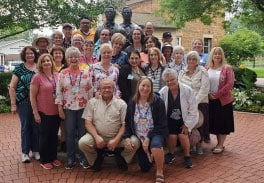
pixel 155 50
pixel 210 61
pixel 105 46
pixel 118 38
pixel 151 97
pixel 41 58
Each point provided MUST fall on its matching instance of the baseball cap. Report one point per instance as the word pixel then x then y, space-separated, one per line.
pixel 66 25
pixel 166 34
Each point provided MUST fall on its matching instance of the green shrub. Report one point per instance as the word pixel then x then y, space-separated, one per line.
pixel 5 79
pixel 259 98
pixel 244 78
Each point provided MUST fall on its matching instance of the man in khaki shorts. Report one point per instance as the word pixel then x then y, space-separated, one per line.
pixel 105 123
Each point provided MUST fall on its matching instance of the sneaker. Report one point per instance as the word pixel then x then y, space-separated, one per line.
pixel 169 157
pixel 46 166
pixel 70 165
pixel 25 158
pixel 187 162
pixel 56 163
pixel 36 155
pixel 85 164
pixel 199 150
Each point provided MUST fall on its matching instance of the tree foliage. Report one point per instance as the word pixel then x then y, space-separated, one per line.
pixel 240 45
pixel 181 11
pixel 17 16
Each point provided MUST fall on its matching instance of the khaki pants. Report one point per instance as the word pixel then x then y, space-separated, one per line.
pixel 88 146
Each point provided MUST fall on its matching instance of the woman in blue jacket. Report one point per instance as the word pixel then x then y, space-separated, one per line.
pixel 146 119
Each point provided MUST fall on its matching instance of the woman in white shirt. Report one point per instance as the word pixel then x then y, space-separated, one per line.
pixel 197 78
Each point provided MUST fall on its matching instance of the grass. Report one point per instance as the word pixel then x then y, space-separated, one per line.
pixel 259 71
pixel 259 67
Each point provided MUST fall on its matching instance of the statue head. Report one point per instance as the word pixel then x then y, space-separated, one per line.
pixel 127 14
pixel 110 13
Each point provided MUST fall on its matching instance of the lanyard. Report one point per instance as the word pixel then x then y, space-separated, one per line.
pixel 52 82
pixel 73 82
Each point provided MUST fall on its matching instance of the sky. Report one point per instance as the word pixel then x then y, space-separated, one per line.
pixel 45 31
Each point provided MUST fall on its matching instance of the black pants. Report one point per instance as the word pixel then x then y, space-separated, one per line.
pixel 48 139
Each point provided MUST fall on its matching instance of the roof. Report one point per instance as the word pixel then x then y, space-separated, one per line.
pixel 158 22
pixel 6 43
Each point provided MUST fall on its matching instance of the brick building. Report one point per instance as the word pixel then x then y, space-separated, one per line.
pixel 211 34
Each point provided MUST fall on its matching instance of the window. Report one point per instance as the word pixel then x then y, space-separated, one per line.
pixel 207 45
pixel 178 41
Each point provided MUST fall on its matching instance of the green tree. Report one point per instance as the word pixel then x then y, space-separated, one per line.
pixel 240 45
pixel 18 16
pixel 181 11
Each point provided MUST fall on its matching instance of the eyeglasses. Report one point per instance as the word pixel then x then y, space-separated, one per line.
pixel 85 22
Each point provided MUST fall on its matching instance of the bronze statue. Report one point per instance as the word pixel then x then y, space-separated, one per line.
pixel 127 25
pixel 110 24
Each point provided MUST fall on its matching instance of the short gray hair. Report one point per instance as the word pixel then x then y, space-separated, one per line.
pixel 72 51
pixel 178 48
pixel 169 72
pixel 195 54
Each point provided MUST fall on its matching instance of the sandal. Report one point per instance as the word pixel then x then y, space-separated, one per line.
pixel 159 179
pixel 218 150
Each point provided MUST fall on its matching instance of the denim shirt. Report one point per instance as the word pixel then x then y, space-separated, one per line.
pixel 120 59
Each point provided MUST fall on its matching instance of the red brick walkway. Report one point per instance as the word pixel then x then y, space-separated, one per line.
pixel 242 161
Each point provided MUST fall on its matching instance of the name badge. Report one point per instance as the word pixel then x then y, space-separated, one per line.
pixel 154 81
pixel 130 76
pixel 75 89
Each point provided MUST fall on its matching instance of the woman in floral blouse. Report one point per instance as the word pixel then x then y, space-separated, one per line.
pixel 72 94
pixel 104 69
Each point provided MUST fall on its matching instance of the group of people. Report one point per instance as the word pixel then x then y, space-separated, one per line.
pixel 120 92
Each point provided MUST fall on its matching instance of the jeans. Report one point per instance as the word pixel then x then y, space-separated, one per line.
pixel 29 128
pixel 74 126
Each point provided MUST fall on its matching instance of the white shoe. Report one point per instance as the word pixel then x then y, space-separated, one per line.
pixel 36 155
pixel 25 158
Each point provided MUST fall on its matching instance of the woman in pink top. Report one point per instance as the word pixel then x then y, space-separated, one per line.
pixel 42 97
pixel 222 79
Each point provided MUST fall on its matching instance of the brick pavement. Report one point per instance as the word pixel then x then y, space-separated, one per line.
pixel 242 160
